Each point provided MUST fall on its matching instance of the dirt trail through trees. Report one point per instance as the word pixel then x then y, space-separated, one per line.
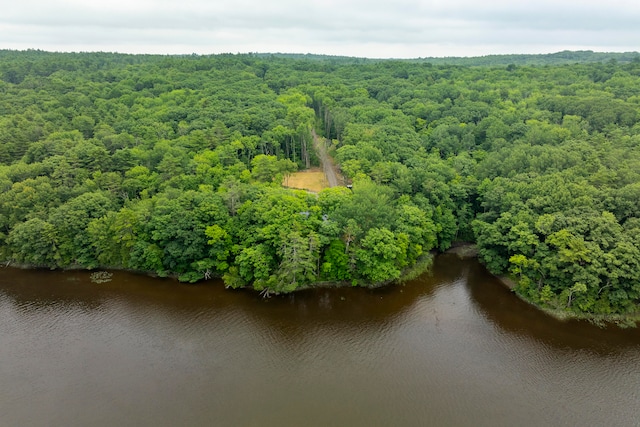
pixel 333 177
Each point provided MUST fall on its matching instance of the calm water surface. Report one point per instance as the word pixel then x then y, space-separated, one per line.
pixel 452 348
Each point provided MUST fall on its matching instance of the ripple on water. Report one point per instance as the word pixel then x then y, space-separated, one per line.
pixel 452 348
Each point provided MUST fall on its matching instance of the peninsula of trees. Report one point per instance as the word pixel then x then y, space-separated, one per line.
pixel 175 164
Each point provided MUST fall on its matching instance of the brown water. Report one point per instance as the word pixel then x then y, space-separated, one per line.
pixel 454 348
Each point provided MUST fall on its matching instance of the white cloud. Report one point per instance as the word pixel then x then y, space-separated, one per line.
pixel 405 28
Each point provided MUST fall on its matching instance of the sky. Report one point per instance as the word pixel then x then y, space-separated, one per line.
pixel 362 28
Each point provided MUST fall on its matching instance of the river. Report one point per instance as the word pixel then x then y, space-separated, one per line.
pixel 453 348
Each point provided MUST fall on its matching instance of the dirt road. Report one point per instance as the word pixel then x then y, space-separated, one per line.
pixel 333 177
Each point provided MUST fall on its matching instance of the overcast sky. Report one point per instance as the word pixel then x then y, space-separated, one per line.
pixel 364 28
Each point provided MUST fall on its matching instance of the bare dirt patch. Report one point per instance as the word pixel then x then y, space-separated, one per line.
pixel 311 179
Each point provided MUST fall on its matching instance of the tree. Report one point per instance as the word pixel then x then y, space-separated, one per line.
pixel 34 242
pixel 71 221
pixel 265 168
pixel 298 264
pixel 336 265
pixel 370 206
pixel 381 255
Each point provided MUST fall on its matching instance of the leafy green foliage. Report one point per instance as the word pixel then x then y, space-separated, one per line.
pixel 174 165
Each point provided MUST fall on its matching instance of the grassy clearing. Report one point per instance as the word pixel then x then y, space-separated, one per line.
pixel 312 180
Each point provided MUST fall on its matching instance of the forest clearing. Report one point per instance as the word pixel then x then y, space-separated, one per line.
pixel 312 180
pixel 316 179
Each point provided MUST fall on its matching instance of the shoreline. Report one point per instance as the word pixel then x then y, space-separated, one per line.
pixel 600 320
pixel 463 250
pixel 469 250
pixel 421 266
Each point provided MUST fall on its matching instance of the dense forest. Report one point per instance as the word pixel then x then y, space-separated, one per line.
pixel 174 165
